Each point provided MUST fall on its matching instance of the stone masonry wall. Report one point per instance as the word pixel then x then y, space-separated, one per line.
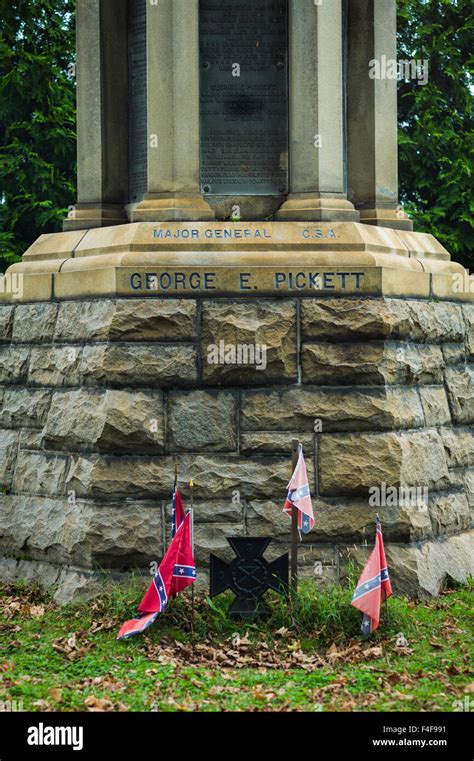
pixel 99 398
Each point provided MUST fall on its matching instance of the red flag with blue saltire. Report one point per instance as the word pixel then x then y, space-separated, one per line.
pixel 178 509
pixel 299 496
pixel 373 586
pixel 176 572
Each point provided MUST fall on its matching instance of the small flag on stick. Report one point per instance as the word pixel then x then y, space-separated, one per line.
pixel 178 508
pixel 176 572
pixel 299 496
pixel 373 586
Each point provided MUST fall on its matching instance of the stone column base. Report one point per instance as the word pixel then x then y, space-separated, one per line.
pixel 213 346
pixel 164 208
pixel 308 207
pixel 89 216
pixel 393 218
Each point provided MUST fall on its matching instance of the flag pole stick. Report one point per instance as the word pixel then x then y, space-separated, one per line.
pixel 295 447
pixel 191 486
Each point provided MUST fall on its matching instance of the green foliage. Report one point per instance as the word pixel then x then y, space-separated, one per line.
pixel 67 659
pixel 437 121
pixel 37 121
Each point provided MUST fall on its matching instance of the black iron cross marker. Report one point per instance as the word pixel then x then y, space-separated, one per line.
pixel 249 575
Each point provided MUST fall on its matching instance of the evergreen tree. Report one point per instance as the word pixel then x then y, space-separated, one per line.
pixel 37 121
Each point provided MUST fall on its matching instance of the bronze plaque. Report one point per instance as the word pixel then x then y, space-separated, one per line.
pixel 244 97
pixel 137 137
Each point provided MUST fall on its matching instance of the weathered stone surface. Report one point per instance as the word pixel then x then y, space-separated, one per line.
pixel 339 409
pixel 31 438
pixel 24 407
pixel 154 320
pixel 354 521
pixel 352 463
pixel 371 363
pixel 449 513
pixel 202 420
pixel 112 420
pixel 211 538
pixel 127 320
pixel 421 571
pixel 8 452
pixel 435 405
pixel 271 324
pixel 266 518
pixel 214 477
pixel 349 319
pixel 83 534
pixel 468 312
pixel 129 365
pixel 468 479
pixel 55 366
pixel 66 583
pixel 82 321
pixel 34 323
pixel 6 323
pixel 271 442
pixel 454 353
pixel 40 473
pixel 13 363
pixel 460 388
pixel 459 446
pixel 216 511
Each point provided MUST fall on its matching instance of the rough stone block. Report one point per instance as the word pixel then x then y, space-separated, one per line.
pixel 435 405
pixel 55 366
pixel 421 570
pixel 107 421
pixel 339 409
pixel 34 323
pixel 214 477
pixel 202 421
pixel 271 442
pixel 449 513
pixel 141 365
pixel 459 446
pixel 365 319
pixel 84 534
pixel 269 324
pixel 127 320
pixel 352 463
pixel 454 353
pixel 8 453
pixel 24 407
pixel 13 363
pixel 371 363
pixel 43 474
pixel 6 323
pixel 460 388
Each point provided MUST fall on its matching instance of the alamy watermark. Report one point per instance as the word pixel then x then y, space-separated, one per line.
pixel 406 70
pixel 251 355
pixel 12 283
pixel 399 496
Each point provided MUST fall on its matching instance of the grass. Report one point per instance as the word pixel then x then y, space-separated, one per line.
pixel 307 656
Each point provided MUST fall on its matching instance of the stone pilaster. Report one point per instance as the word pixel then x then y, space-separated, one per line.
pixel 372 113
pixel 102 115
pixel 173 115
pixel 317 187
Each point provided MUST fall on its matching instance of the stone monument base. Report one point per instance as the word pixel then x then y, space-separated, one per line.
pixel 130 348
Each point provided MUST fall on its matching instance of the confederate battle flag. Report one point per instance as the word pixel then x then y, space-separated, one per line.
pixel 299 496
pixel 178 510
pixel 374 585
pixel 176 572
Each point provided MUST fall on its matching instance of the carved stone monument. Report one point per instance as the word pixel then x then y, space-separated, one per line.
pixel 237 271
